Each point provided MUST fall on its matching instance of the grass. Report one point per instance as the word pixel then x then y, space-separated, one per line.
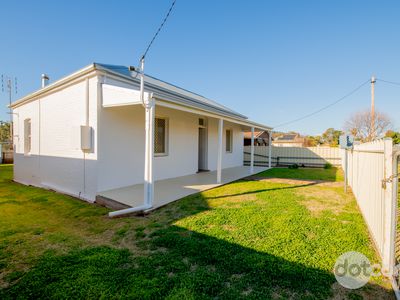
pixel 332 174
pixel 249 239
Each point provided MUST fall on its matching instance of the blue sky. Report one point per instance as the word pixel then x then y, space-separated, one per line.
pixel 273 61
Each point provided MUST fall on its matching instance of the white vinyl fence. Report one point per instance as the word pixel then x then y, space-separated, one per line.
pixel 372 175
pixel 284 156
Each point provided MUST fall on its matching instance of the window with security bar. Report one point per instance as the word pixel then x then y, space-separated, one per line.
pixel 160 136
pixel 27 136
pixel 228 140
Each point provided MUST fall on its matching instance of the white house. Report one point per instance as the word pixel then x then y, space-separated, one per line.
pixel 90 136
pixel 289 140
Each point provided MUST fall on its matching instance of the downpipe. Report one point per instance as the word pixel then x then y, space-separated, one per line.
pixel 148 176
pixel 130 210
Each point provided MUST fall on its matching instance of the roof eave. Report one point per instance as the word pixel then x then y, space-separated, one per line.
pixel 259 126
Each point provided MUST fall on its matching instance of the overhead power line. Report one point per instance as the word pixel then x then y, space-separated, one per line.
pixel 159 29
pixel 390 82
pixel 325 107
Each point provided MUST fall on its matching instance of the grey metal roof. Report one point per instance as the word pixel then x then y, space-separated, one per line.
pixel 287 137
pixel 169 91
pixel 162 91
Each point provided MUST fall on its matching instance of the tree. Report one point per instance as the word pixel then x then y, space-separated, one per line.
pixel 359 125
pixel 4 132
pixel 394 135
pixel 312 141
pixel 331 137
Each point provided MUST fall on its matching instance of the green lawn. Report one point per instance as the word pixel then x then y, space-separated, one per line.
pixel 333 174
pixel 249 239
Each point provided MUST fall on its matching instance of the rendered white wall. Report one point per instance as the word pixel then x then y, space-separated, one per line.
pixel 182 158
pixel 229 159
pixel 116 95
pixel 117 158
pixel 121 146
pixel 26 168
pixel 56 160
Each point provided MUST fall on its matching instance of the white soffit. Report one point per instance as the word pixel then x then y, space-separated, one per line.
pixel 120 96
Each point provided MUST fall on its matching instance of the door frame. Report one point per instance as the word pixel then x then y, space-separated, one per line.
pixel 205 145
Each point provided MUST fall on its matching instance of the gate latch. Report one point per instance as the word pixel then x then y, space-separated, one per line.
pixel 388 180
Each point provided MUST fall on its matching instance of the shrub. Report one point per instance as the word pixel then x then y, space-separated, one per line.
pixel 328 166
pixel 294 166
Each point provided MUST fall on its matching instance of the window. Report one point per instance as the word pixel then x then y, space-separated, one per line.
pixel 27 136
pixel 160 136
pixel 228 140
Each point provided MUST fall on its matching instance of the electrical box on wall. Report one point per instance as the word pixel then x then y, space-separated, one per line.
pixel 86 137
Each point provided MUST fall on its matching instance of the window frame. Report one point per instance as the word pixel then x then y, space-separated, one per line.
pixel 27 137
pixel 166 139
pixel 230 142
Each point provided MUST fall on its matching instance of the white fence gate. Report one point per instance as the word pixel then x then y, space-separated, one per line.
pixel 283 156
pixel 372 175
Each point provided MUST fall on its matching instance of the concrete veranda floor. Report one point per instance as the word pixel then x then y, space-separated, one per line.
pixel 169 190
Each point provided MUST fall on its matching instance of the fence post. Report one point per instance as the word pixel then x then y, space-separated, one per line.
pixel 252 151
pixel 346 162
pixel 390 203
pixel 269 149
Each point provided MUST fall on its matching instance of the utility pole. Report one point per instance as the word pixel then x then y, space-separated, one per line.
pixel 11 85
pixel 373 80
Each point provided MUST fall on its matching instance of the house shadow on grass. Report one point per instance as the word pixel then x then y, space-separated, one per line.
pixel 287 187
pixel 175 263
pixel 331 174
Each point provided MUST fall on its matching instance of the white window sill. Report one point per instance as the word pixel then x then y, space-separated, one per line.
pixel 160 154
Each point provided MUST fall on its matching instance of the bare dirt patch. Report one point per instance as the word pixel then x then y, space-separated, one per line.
pixel 318 199
pixel 229 227
pixel 318 195
pixel 380 292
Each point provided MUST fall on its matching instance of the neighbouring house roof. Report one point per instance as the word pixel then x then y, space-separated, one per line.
pixel 289 138
pixel 160 88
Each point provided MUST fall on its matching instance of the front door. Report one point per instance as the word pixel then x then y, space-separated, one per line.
pixel 202 146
